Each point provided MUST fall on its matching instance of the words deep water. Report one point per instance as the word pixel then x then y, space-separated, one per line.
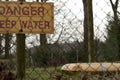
pixel 25 24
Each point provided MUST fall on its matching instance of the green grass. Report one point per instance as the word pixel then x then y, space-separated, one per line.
pixel 42 73
pixel 50 73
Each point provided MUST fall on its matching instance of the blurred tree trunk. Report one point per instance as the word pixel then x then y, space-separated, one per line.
pixel 43 39
pixel 88 29
pixel 85 28
pixel 116 23
pixel 20 56
pixel 7 44
pixel 1 47
pixel 1 43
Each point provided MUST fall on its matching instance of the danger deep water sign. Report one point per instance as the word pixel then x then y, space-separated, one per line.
pixel 26 17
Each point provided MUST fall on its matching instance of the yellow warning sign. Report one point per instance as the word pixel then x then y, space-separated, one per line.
pixel 26 17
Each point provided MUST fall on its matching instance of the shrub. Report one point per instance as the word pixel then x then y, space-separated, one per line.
pixel 4 73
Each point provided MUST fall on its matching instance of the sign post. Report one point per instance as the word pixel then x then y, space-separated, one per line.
pixel 22 18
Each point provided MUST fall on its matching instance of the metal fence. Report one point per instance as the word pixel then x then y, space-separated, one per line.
pixel 67 45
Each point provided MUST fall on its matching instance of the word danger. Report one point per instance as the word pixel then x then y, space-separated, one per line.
pixel 25 24
pixel 26 10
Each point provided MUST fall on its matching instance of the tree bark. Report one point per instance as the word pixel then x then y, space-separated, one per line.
pixel 85 28
pixel 1 47
pixel 7 45
pixel 43 39
pixel 88 30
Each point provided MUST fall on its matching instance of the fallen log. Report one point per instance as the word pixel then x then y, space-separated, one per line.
pixel 91 67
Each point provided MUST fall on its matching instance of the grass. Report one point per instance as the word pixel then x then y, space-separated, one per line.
pixel 42 73
pixel 51 73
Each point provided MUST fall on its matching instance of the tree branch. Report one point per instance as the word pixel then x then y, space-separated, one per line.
pixel 116 4
pixel 59 36
pixel 112 4
pixel 118 12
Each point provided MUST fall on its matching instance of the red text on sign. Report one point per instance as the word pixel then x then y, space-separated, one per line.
pixel 29 11
pixel 7 23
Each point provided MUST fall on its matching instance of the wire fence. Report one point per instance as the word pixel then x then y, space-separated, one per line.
pixel 62 55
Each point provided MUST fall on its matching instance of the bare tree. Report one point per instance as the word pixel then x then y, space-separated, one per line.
pixel 88 30
pixel 85 28
pixel 116 22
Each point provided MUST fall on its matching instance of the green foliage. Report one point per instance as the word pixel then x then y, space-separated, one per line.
pixel 40 56
pixel 58 54
pixel 112 42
